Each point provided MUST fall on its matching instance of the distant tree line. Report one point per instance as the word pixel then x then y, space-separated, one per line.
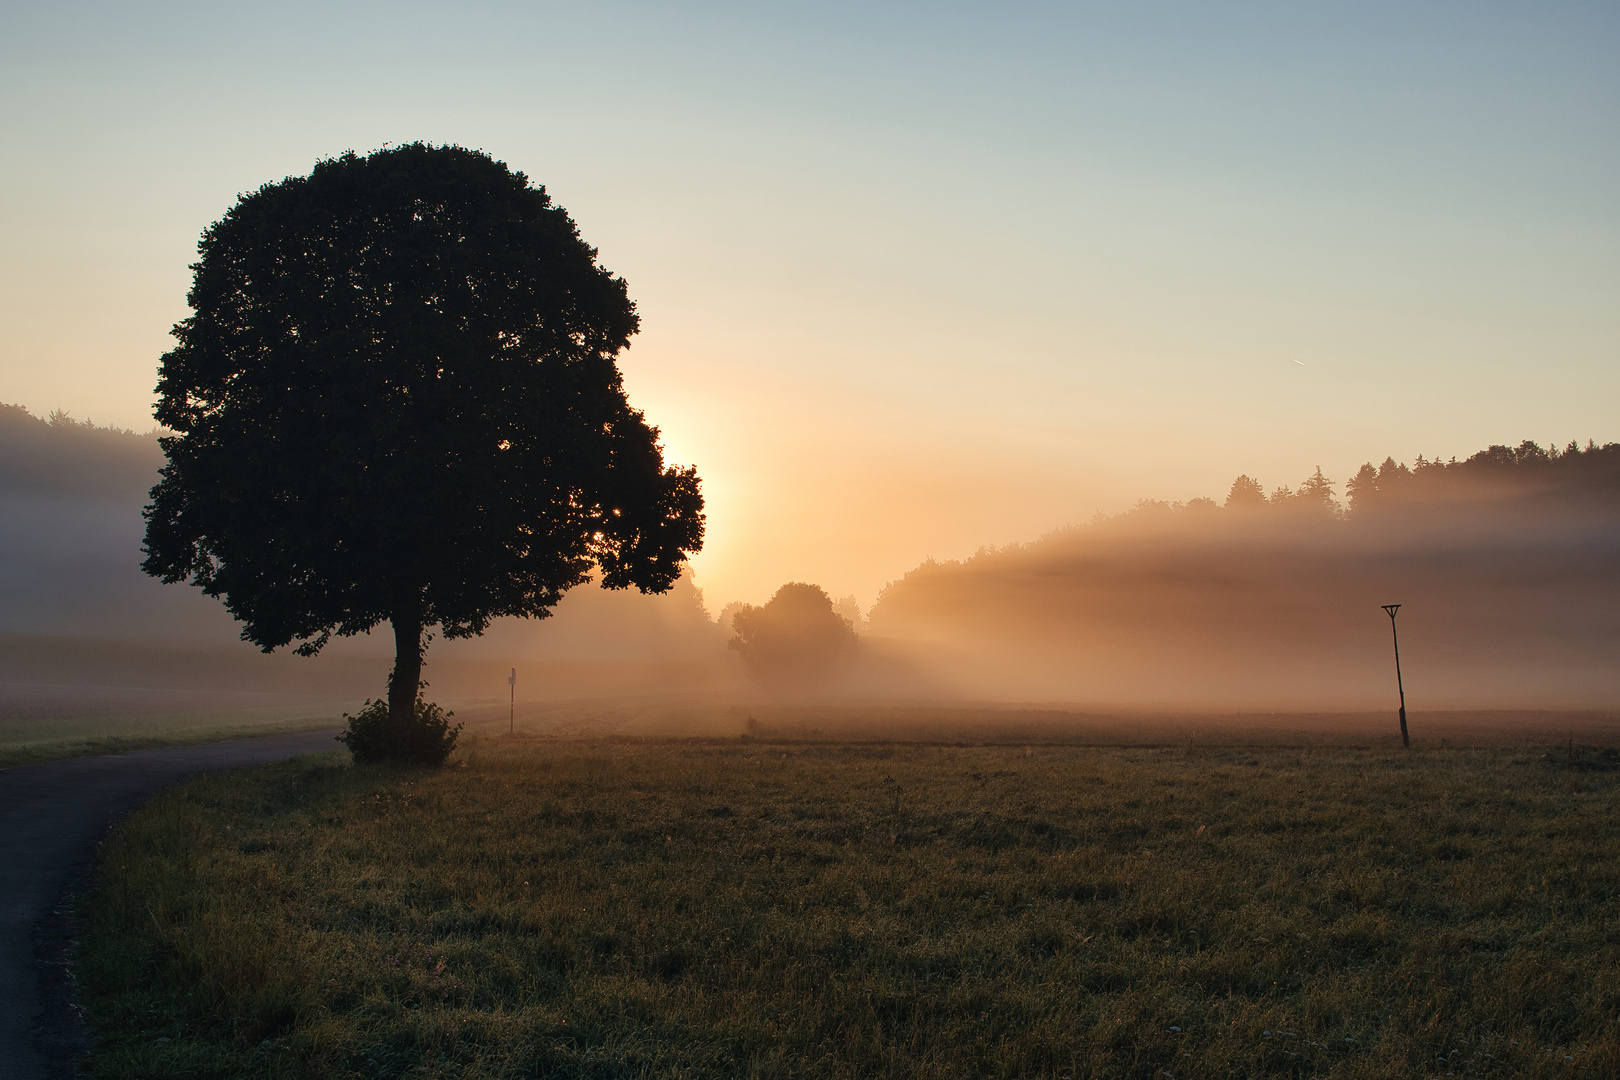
pixel 1508 563
pixel 59 455
pixel 1575 474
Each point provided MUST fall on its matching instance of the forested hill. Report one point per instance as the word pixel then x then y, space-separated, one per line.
pixel 1498 478
pixel 66 457
pixel 1545 478
pixel 71 494
pixel 1508 564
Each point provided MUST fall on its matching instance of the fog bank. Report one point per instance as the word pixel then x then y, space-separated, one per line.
pixel 76 610
pixel 1507 567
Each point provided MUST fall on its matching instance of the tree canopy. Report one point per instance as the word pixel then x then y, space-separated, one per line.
pixel 796 639
pixel 397 400
pixel 1245 494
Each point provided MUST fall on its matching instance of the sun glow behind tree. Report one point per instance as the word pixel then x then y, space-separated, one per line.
pixel 397 401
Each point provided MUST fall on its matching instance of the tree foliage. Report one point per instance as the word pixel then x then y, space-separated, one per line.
pixel 1546 477
pixel 1245 494
pixel 1526 476
pixel 397 400
pixel 796 639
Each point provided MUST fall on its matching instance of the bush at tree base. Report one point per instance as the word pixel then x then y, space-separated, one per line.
pixel 427 739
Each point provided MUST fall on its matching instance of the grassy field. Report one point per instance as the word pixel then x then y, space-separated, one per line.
pixel 36 728
pixel 25 742
pixel 773 909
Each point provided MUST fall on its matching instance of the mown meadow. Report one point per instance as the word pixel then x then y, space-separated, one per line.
pixel 754 908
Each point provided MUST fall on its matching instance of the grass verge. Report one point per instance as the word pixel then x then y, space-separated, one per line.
pixel 774 910
pixel 31 742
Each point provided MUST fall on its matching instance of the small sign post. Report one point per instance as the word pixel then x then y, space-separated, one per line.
pixel 1391 609
pixel 511 705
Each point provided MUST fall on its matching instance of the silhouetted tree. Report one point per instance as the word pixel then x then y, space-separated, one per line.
pixel 1392 478
pixel 1362 488
pixel 796 639
pixel 1246 494
pixel 849 609
pixel 1315 497
pixel 1316 493
pixel 1372 488
pixel 397 401
pixel 729 612
pixel 1590 475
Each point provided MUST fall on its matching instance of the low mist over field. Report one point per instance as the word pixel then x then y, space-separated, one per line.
pixel 77 612
pixel 1506 564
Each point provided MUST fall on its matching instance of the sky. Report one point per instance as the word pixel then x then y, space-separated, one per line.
pixel 914 279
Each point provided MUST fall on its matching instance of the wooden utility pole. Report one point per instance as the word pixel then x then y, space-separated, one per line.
pixel 511 705
pixel 1391 609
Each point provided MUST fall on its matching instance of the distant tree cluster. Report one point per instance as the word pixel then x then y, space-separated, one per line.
pixel 796 640
pixel 849 609
pixel 1316 495
pixel 1592 472
pixel 18 417
pixel 1575 473
pixel 61 455
pixel 1315 498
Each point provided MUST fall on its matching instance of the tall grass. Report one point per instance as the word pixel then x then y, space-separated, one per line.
pixel 771 910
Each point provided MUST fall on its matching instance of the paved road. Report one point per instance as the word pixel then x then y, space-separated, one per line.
pixel 51 816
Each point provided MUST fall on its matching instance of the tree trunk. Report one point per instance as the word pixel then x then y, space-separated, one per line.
pixel 407 674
